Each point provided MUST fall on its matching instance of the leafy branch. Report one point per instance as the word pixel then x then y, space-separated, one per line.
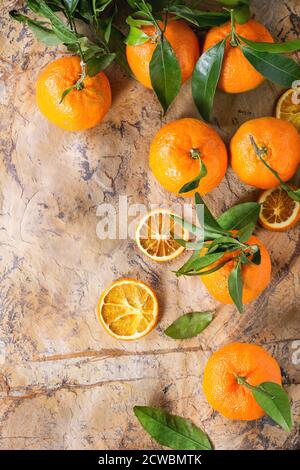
pixel 225 241
pixel 96 54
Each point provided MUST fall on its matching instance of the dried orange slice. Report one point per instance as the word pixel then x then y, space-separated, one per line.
pixel 288 107
pixel 155 235
pixel 128 309
pixel 278 211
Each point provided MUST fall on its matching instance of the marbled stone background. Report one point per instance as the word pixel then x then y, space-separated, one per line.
pixel 64 383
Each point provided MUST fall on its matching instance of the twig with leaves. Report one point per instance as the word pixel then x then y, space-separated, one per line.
pixel 227 236
pixel 95 54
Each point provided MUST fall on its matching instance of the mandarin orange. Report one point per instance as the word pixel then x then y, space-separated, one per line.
pixel 256 277
pixel 220 386
pixel 238 75
pixel 280 142
pixel 182 39
pixel 80 109
pixel 177 149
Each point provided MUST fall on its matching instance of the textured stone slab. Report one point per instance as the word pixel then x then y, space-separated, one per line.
pixel 64 383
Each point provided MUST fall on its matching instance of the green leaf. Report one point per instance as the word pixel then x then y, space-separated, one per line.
pixel 187 225
pixel 189 245
pixel 197 231
pixel 165 73
pixel 201 19
pixel 235 286
pixel 246 232
pixel 84 10
pixel 66 92
pixel 188 263
pixel 294 194
pixel 224 241
pixel 100 5
pixel 41 32
pixel 239 216
pixel 195 182
pixel 170 430
pixel 189 325
pixel 136 37
pixel 107 31
pixel 132 3
pixel 209 271
pixel 275 48
pixel 56 5
pixel 242 14
pixel 205 78
pixel 211 226
pixel 71 5
pixel 256 258
pixel 244 258
pixel 138 22
pixel 231 3
pixel 97 64
pixel 198 263
pixel 277 68
pixel 116 45
pixel 274 400
pixel 107 23
pixel 88 48
pixel 62 31
pixel 206 260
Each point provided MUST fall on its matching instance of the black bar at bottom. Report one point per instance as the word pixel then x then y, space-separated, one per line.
pixel 135 458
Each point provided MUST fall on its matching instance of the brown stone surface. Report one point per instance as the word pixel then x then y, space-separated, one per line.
pixel 64 383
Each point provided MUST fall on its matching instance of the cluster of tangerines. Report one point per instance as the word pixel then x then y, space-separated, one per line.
pixel 188 153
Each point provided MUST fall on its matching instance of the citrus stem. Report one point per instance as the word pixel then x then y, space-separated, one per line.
pixel 261 153
pixel 79 85
pixel 234 40
pixel 242 381
pixel 195 153
pixel 152 17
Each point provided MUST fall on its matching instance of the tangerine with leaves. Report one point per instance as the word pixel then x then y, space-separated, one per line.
pixel 178 151
pixel 221 387
pixel 277 139
pixel 237 74
pixel 81 108
pixel 255 277
pixel 183 41
pixel 234 265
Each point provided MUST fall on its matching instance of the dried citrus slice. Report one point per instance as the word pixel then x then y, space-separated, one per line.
pixel 288 107
pixel 278 211
pixel 128 309
pixel 155 235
